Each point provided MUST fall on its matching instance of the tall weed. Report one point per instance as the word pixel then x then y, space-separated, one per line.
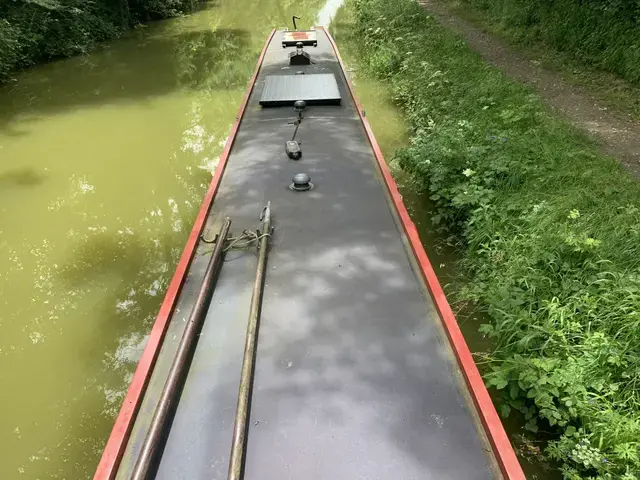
pixel 552 235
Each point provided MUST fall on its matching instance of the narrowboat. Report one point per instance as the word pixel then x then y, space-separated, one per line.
pixel 304 334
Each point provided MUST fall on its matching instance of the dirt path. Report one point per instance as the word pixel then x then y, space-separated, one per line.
pixel 618 135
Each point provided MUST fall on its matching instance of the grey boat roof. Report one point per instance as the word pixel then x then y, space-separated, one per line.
pixel 355 378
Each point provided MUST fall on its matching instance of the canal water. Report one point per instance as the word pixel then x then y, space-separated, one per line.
pixel 105 160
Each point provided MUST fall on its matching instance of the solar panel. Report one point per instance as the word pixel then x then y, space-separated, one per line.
pixel 317 89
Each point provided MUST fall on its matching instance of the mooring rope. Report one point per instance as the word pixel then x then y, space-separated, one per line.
pixel 245 239
pixel 249 236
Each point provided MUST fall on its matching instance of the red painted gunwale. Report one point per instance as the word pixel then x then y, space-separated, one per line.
pixel 113 451
pixel 502 449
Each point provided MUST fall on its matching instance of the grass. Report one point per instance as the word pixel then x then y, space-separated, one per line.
pixel 551 232
pixel 609 88
pixel 600 33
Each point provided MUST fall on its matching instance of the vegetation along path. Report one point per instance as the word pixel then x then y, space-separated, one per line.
pixel 618 135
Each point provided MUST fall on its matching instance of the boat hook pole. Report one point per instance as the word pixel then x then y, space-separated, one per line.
pixel 238 445
pixel 180 366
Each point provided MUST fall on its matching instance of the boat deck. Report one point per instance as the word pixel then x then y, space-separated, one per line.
pixel 355 376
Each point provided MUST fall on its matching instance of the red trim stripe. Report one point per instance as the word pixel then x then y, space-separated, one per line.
pixel 502 448
pixel 113 451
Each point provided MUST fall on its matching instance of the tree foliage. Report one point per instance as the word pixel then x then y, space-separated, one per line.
pixel 33 31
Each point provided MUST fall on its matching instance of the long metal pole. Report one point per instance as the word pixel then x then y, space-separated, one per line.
pixel 238 445
pixel 171 391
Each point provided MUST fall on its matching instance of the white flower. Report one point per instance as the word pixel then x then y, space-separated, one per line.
pixel 539 206
pixel 468 172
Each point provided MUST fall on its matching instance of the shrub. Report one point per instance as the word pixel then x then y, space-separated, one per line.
pixel 8 48
pixel 145 10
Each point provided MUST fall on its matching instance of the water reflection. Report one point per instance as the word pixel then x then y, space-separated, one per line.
pixel 214 59
pixel 105 159
pixel 25 176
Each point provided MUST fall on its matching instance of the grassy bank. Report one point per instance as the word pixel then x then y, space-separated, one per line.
pixel 551 234
pixel 600 33
pixel 33 31
pixel 607 86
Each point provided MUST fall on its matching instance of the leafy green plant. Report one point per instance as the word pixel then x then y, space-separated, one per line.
pixel 551 233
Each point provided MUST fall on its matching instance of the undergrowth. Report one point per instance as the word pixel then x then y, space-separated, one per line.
pixel 600 33
pixel 33 31
pixel 551 231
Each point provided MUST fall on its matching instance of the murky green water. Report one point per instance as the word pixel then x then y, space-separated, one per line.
pixel 104 162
